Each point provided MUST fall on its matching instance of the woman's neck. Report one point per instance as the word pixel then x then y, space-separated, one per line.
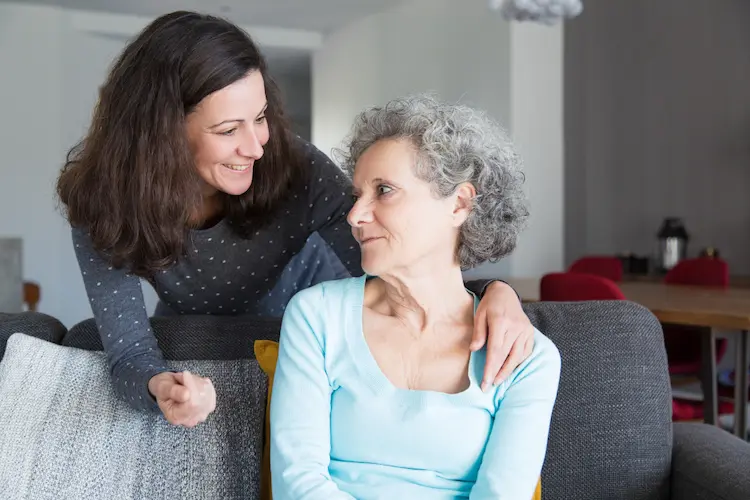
pixel 426 298
pixel 210 211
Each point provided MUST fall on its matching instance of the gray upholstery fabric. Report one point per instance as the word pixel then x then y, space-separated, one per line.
pixel 64 435
pixel 35 324
pixel 709 463
pixel 192 337
pixel 611 433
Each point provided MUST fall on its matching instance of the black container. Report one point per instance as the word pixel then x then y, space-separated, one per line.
pixel 672 247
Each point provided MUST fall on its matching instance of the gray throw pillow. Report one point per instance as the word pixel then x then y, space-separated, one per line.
pixel 64 434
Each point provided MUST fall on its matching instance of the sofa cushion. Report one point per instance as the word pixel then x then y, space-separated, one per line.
pixel 267 353
pixel 611 430
pixel 65 435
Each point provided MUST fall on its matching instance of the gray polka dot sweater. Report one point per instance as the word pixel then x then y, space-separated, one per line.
pixel 223 274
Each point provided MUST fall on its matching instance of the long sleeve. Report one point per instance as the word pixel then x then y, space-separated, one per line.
pixel 479 286
pixel 330 200
pixel 119 310
pixel 301 407
pixel 515 451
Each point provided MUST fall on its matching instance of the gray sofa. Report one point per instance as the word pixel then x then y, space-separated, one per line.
pixel 611 435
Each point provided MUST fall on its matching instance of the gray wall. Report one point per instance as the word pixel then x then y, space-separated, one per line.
pixel 11 271
pixel 294 80
pixel 657 121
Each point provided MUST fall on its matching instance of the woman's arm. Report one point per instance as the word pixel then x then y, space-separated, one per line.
pixel 517 445
pixel 301 406
pixel 116 300
pixel 502 324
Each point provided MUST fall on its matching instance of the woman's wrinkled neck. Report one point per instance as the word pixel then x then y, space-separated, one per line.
pixel 425 295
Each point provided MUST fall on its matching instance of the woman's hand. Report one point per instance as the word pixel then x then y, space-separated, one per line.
pixel 184 398
pixel 511 335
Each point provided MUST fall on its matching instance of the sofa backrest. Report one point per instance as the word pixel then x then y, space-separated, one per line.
pixel 192 337
pixel 611 432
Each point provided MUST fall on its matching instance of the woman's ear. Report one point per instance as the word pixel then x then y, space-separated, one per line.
pixel 464 201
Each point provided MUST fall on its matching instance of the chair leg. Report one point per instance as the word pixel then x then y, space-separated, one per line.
pixel 708 378
pixel 740 385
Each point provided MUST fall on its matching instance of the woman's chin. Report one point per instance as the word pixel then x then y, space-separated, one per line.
pixel 236 190
pixel 373 267
pixel 236 187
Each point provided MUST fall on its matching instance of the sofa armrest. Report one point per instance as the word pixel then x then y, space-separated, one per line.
pixel 709 463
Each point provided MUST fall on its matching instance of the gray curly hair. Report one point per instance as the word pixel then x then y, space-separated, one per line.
pixel 455 144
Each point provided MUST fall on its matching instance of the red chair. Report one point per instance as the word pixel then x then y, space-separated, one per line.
pixel 703 271
pixel 683 409
pixel 606 267
pixel 571 287
pixel 683 343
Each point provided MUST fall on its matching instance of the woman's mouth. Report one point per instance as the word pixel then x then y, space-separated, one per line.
pixel 237 168
pixel 369 240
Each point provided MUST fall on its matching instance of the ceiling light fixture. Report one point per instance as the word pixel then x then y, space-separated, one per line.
pixel 540 11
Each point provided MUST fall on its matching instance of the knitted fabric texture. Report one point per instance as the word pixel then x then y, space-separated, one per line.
pixel 66 435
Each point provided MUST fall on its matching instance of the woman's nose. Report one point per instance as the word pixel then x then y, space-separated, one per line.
pixel 361 213
pixel 251 146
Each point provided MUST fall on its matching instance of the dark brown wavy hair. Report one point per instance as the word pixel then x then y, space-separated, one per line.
pixel 132 182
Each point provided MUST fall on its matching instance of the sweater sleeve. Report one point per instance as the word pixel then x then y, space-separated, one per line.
pixel 330 199
pixel 479 286
pixel 515 451
pixel 301 406
pixel 120 314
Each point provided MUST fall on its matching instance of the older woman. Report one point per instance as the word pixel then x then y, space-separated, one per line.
pixel 377 393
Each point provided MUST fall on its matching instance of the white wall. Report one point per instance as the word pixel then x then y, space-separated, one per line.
pixel 51 76
pixel 537 128
pixel 461 52
pixel 31 143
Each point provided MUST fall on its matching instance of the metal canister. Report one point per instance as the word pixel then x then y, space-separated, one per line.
pixel 673 240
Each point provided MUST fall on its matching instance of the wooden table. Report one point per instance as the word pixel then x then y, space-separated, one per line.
pixel 725 309
pixel 735 281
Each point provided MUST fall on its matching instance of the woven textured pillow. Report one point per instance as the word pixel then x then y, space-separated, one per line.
pixel 39 325
pixel 65 435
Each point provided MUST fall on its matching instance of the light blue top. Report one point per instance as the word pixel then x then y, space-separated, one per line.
pixel 341 430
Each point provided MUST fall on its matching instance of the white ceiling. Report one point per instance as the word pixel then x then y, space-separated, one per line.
pixel 314 15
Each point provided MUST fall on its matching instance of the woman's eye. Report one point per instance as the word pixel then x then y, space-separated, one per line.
pixel 383 189
pixel 229 132
pixel 260 119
